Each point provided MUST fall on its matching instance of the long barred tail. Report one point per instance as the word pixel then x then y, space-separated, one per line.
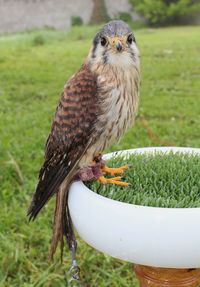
pixel 62 223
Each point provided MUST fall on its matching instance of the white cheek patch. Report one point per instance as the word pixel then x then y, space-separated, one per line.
pixel 136 53
pixel 99 52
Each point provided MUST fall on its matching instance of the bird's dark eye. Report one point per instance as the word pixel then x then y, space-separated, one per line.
pixel 130 39
pixel 103 41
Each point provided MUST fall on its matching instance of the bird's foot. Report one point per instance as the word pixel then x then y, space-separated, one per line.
pixel 113 180
pixel 97 171
pixel 113 171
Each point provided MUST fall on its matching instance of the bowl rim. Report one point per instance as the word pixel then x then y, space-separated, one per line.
pixel 139 151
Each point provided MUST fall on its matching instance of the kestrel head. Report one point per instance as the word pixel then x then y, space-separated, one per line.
pixel 115 44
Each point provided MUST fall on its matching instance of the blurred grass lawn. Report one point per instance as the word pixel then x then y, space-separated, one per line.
pixel 33 69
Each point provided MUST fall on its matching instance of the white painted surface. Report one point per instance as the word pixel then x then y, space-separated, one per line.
pixel 163 237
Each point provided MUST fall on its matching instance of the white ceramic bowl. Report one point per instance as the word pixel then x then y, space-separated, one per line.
pixel 162 237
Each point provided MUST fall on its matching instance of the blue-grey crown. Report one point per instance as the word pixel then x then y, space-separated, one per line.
pixel 113 28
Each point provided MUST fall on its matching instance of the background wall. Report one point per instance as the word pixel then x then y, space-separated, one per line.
pixel 17 15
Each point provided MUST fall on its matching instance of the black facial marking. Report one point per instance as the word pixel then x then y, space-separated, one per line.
pixel 93 52
pixel 96 39
pixel 130 39
pixel 133 55
pixel 105 58
pixel 95 43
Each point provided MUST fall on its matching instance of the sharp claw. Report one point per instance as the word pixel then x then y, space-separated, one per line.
pixel 129 165
pixel 125 166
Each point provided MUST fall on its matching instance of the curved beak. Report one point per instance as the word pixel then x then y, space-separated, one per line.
pixel 119 46
pixel 117 43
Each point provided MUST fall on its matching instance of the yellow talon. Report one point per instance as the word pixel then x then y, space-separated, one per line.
pixel 114 171
pixel 114 180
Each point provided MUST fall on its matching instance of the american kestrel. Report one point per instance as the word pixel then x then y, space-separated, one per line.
pixel 98 104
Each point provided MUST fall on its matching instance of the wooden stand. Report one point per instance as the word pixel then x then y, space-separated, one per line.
pixel 167 277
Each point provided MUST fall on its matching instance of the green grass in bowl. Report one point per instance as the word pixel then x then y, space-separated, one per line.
pixel 156 179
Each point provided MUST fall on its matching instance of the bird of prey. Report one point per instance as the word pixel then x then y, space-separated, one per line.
pixel 98 104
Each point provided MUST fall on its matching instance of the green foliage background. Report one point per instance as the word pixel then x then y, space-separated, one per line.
pixel 33 69
pixel 166 12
